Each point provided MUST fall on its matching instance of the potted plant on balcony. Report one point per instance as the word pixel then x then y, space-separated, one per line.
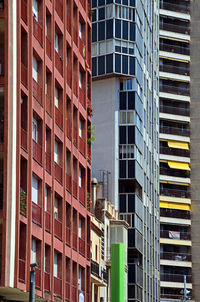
pixel 22 201
pixel 89 109
pixel 91 135
pixel 88 200
pixel 89 159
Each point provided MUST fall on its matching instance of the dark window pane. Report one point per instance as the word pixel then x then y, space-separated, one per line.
pixel 109 29
pixel 122 101
pixel 94 66
pixel 122 168
pixel 131 238
pixel 94 15
pixel 101 2
pixel 131 273
pixel 101 31
pixel 125 2
pixel 131 169
pixel 132 31
pixel 94 3
pixel 109 1
pixel 118 63
pixel 102 13
pixel 109 63
pixel 132 65
pixel 125 64
pixel 125 30
pixel 131 135
pixel 101 65
pixel 131 203
pixel 122 134
pixel 132 3
pixel 131 100
pixel 94 32
pixel 122 203
pixel 117 28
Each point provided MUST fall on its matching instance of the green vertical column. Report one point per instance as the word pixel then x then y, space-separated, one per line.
pixel 117 272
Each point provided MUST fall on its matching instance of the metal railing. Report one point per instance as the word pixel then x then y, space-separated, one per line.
pixel 175 28
pixel 175 7
pixel 174 172
pixel 175 110
pixel 174 130
pixel 95 269
pixel 175 213
pixel 174 48
pixel 177 235
pixel 174 193
pixel 173 151
pixel 180 90
pixel 174 69
pixel 174 277
pixel 175 256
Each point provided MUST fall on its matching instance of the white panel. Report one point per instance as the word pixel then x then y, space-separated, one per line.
pixel 55 266
pixel 56 41
pixel 80 128
pixel 79 178
pixel 56 208
pixel 34 189
pixel 56 151
pixel 79 227
pixel 35 69
pixel 56 97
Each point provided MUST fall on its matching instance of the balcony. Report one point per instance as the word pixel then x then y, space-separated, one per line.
pixel 48 47
pixel 180 90
pixel 58 172
pixel 48 162
pixel 174 130
pixel 58 286
pixel 47 282
pixel 69 77
pixel 23 74
pixel 24 139
pixel 68 235
pixel 174 193
pixel 81 246
pixel 37 31
pixel 24 11
pixel 82 98
pixel 174 69
pixel 67 290
pixel 37 152
pixel 181 8
pixel 82 146
pixel 59 8
pixel 59 62
pixel 174 28
pixel 22 263
pixel 68 129
pixel 177 235
pixel 175 49
pixel 75 189
pixel 48 104
pixel 82 195
pixel 36 213
pixel 175 278
pixel 175 256
pixel 174 172
pixel 58 228
pixel 173 213
pixel 37 277
pixel 47 221
pixel 59 118
pixel 74 241
pixel 75 35
pixel 175 110
pixel 95 269
pixel 68 182
pixel 37 92
pixel 174 152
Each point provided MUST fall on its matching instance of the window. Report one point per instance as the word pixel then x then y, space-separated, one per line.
pixel 80 30
pixel 79 277
pixel 45 199
pixel 126 117
pixel 80 128
pixel 33 250
pixel 35 9
pixel 56 208
pixel 55 265
pixel 56 41
pixel 35 69
pixel 79 227
pixel 79 179
pixel 80 79
pixel 56 97
pixel 56 148
pixel 34 189
pixel 34 130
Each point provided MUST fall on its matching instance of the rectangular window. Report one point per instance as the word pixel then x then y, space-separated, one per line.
pixel 34 189
pixel 79 227
pixel 35 69
pixel 79 277
pixel 56 41
pixel 79 179
pixel 35 9
pixel 56 208
pixel 45 200
pixel 80 30
pixel 56 151
pixel 56 97
pixel 33 251
pixel 55 266
pixel 80 128
pixel 34 130
pixel 80 80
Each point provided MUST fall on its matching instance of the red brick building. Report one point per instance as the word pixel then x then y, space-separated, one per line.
pixel 45 88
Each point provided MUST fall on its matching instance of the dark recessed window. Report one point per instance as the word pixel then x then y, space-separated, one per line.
pixel 122 101
pixel 132 65
pixel 94 66
pixel 122 203
pixel 109 1
pixel 94 15
pixel 94 3
pixel 101 31
pixel 122 134
pixel 117 28
pixel 132 31
pixel 125 64
pixel 131 135
pixel 94 32
pixel 101 65
pixel 117 63
pixel 122 168
pixel 131 100
pixel 131 169
pixel 125 30
pixel 101 2
pixel 102 13
pixel 131 203
pixel 109 29
pixel 109 63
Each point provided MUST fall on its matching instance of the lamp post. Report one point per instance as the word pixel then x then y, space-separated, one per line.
pixel 32 282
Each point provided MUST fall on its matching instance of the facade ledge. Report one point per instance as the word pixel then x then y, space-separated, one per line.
pixel 177 36
pixel 174 55
pixel 178 15
pixel 175 158
pixel 181 180
pixel 179 221
pixel 176 263
pixel 174 137
pixel 174 117
pixel 175 284
pixel 174 76
pixel 173 96
pixel 175 242
pixel 175 199
pixel 97 281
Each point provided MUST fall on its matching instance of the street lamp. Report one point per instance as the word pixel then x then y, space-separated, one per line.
pixel 32 282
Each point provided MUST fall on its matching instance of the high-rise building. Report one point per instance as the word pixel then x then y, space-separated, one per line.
pixel 45 81
pixel 175 198
pixel 125 63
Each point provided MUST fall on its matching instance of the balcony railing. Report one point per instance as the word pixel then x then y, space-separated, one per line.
pixel 68 182
pixel 47 221
pixel 24 139
pixel 48 47
pixel 174 172
pixel 82 98
pixel 59 117
pixel 36 213
pixel 24 11
pixel 181 8
pixel 48 162
pixel 175 277
pixel 75 190
pixel 67 290
pixel 175 28
pixel 175 48
pixel 174 89
pixel 174 69
pixel 175 256
pixel 174 130
pixel 37 30
pixel 48 104
pixel 59 8
pixel 174 193
pixel 74 241
pixel 174 110
pixel 37 152
pixel 24 74
pixel 69 77
pixel 177 235
pixel 59 62
pixel 58 172
pixel 68 235
pixel 82 146
pixel 175 213
pixel 37 92
pixel 95 269
pixel 69 128
pixel 58 228
pixel 175 152
pixel 47 282
pixel 82 195
pixel 58 286
pixel 81 246
pixel 37 277
pixel 22 263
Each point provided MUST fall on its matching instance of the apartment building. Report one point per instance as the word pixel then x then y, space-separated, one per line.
pixel 45 86
pixel 125 64
pixel 175 181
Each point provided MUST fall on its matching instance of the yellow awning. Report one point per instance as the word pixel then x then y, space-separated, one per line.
pixel 174 205
pixel 178 145
pixel 178 165
pixel 174 183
